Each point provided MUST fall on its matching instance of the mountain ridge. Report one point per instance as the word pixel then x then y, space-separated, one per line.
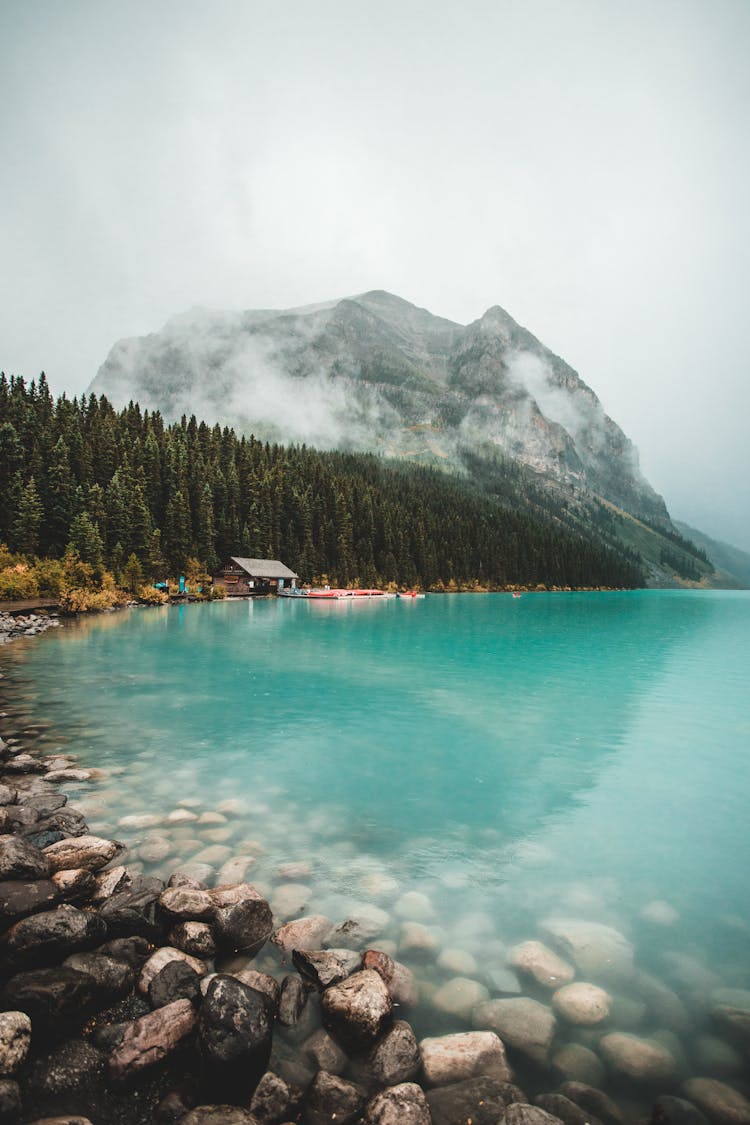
pixel 379 369
pixel 375 373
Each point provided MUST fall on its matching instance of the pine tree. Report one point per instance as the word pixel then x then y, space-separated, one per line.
pixel 29 520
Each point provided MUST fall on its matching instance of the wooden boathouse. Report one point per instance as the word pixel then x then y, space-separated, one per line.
pixel 244 578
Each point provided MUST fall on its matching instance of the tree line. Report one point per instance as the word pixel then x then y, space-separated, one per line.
pixel 77 475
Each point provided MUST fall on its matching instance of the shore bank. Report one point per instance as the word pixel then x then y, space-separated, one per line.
pixel 296 1057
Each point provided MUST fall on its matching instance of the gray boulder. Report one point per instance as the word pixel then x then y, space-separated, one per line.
pixel 235 1027
pixel 15 1040
pixel 333 1099
pixel 150 1040
pixel 21 860
pixel 480 1100
pixel 52 935
pixel 404 1104
pixel 357 1010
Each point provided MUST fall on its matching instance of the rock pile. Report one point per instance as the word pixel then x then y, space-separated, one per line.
pixel 25 625
pixel 125 998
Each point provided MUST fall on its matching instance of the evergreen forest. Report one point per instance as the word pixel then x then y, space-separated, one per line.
pixel 114 488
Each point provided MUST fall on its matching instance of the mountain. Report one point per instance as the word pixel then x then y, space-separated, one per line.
pixel 733 562
pixel 376 373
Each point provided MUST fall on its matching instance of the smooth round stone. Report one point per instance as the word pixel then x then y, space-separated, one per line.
pixel 199 872
pixel 235 869
pixel 576 1063
pixel 598 952
pixel 470 1054
pixel 138 821
pixel 415 907
pixel 189 803
pixel 537 961
pixel 660 913
pixel 582 1003
pixel 15 1040
pixel 154 849
pixel 627 1012
pixel 181 816
pixel 638 1060
pixel 524 1024
pixel 417 940
pixel 217 835
pixel 364 923
pixel 293 872
pixel 722 1104
pixel 458 997
pixel 377 884
pixel 290 900
pixel 458 961
pixel 233 806
pixel 302 933
pixel 714 1055
pixel 214 855
pixel 212 818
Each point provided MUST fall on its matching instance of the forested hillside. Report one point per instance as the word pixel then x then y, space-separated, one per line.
pixel 81 476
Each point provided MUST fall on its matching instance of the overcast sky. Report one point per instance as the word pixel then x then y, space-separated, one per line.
pixel 583 163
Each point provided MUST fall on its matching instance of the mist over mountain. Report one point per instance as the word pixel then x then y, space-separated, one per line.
pixel 374 372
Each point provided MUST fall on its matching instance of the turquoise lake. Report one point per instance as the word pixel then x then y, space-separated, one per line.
pixel 474 764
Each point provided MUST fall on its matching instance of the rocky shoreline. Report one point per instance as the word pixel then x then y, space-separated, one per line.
pixel 126 998
pixel 14 625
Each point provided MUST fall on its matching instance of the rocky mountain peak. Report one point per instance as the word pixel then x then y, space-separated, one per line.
pixel 375 372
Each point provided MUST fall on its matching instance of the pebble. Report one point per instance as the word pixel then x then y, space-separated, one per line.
pixel 582 1003
pixel 458 997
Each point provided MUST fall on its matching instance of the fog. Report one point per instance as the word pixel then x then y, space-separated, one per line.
pixel 582 163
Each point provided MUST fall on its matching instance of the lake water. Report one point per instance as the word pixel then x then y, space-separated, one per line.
pixel 475 764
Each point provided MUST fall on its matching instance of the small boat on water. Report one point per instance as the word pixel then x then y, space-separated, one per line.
pixel 329 594
pixel 516 593
pixel 411 595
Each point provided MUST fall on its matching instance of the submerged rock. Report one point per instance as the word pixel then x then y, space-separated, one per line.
pixel 399 980
pixel 458 997
pixel 302 933
pixel 576 1063
pixel 403 1104
pixel 638 1060
pixel 395 1058
pixel 331 1098
pixel 537 961
pixel 470 1054
pixel 521 1023
pixel 722 1104
pixel 598 952
pixel 593 1100
pixel 479 1100
pixel 324 967
pixel 582 1003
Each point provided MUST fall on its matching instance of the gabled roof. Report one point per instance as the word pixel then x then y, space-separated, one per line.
pixel 264 568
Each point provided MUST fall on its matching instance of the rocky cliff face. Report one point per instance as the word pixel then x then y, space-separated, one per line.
pixel 374 372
